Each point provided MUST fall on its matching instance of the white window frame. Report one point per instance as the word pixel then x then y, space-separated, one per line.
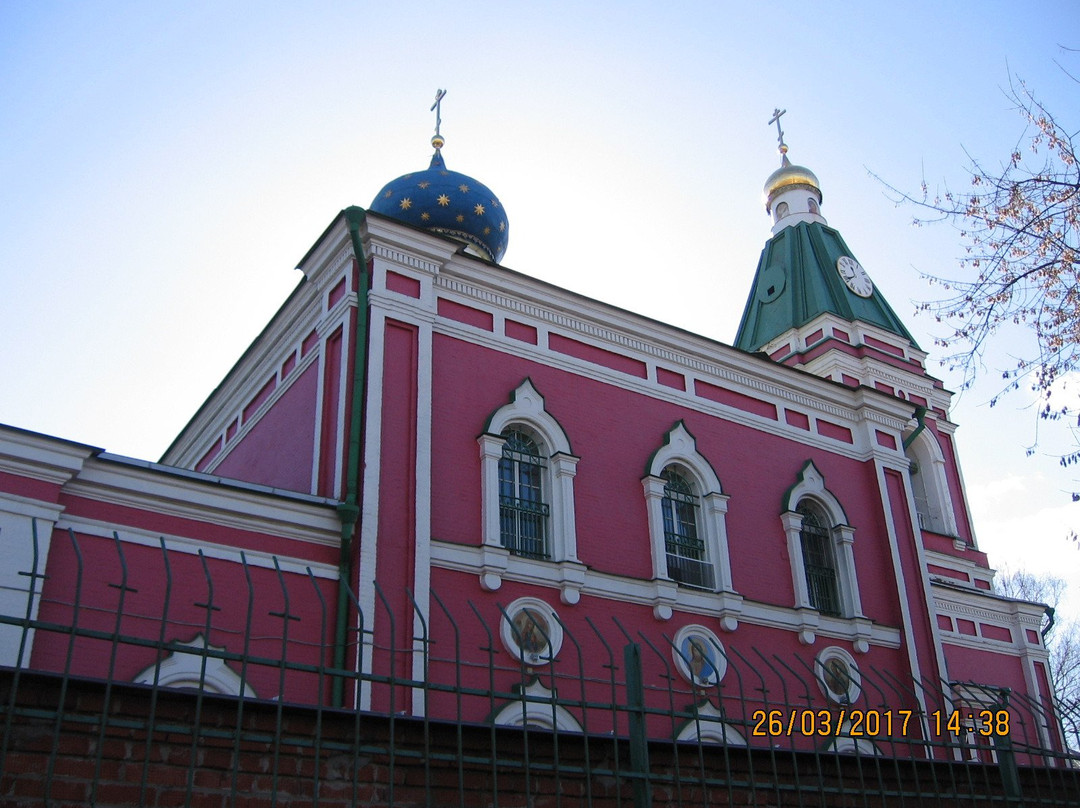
pixel 680 449
pixel 925 451
pixel 526 410
pixel 811 485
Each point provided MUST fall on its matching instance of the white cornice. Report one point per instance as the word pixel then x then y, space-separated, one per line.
pixel 991 646
pixel 403 259
pixel 861 449
pixel 41 457
pixel 964 565
pixel 649 342
pixel 28 507
pixel 276 514
pixel 950 598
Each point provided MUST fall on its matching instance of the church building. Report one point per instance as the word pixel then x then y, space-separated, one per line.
pixel 424 447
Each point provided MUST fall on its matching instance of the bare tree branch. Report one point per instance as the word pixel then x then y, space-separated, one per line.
pixel 1020 229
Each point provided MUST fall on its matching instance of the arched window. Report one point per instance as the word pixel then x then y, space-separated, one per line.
pixel 687 557
pixel 819 560
pixel 933 506
pixel 527 485
pixel 812 206
pixel 686 509
pixel 523 513
pixel 820 547
pixel 781 210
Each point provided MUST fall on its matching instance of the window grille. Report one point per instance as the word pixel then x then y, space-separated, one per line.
pixel 819 562
pixel 522 511
pixel 686 557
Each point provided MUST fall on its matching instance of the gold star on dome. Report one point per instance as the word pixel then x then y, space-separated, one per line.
pixel 423 184
pixel 405 203
pixel 478 209
pixel 389 193
pixel 459 218
pixel 487 231
pixel 425 216
pixel 463 188
pixel 502 226
pixel 494 203
pixel 443 200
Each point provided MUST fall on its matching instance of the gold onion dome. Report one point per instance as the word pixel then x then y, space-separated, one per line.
pixel 789 176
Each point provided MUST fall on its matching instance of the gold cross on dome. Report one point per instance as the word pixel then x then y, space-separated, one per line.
pixel 437 109
pixel 779 132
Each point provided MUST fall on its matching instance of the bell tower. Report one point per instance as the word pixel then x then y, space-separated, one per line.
pixel 812 304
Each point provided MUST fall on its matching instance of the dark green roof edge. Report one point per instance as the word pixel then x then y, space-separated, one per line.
pixel 808 251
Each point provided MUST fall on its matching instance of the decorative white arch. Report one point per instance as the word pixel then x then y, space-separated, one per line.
pixel 846 745
pixel 708 726
pixel 526 409
pixel 810 485
pixel 536 706
pixel 680 449
pixel 185 669
pixel 929 484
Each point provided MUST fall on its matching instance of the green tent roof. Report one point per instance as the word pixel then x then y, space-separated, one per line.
pixel 797 280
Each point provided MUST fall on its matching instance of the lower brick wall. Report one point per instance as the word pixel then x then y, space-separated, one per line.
pixel 79 743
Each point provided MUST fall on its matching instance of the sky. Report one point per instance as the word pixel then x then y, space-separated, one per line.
pixel 164 167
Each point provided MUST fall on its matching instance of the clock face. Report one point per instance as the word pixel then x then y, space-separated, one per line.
pixel 853 274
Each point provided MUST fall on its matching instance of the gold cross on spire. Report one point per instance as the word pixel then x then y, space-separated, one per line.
pixel 779 132
pixel 437 141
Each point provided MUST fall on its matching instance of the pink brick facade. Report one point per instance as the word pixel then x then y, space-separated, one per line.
pixel 376 388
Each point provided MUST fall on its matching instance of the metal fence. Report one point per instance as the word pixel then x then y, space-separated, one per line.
pixel 108 703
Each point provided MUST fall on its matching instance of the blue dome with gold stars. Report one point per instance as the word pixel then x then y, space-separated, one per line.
pixel 449 203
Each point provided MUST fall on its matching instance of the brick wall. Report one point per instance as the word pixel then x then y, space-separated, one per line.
pixel 115 746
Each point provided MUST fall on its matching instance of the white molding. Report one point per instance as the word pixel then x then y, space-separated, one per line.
pixel 304 311
pixel 713 655
pixel 210 500
pixel 708 725
pixel 271 401
pixel 191 545
pixel 645 340
pixel 421 586
pixel 470 559
pixel 863 447
pixel 401 258
pixel 365 556
pixel 29 507
pixel 902 588
pixel 538 707
pixel 965 565
pixel 41 457
pixel 551 632
pixel 195 669
pixel 821 673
